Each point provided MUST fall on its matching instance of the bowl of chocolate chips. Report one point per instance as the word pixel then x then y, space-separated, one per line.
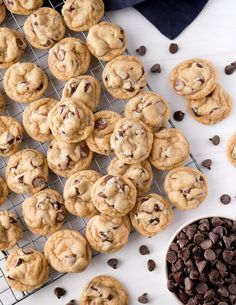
pixel 201 262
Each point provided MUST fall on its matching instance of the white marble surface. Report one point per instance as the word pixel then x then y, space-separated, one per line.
pixel 211 36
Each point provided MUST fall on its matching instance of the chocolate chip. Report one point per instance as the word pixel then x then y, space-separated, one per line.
pixel 113 262
pixel 207 163
pixel 232 289
pixel 215 140
pixel 178 115
pixel 156 68
pixel 171 285
pixel 201 265
pixel 19 262
pixel 38 182
pixel 59 292
pixel 27 251
pixel 229 69
pixel 222 291
pixel 86 87
pixel 228 255
pixel 84 150
pixel 143 250
pixel 201 288
pixel 188 283
pixel 171 257
pixel 61 55
pixel 209 255
pixel 173 48
pixel 143 299
pixel 20 44
pixel 102 195
pixel 21 179
pixel 40 87
pixel 101 123
pixel 225 199
pixel 73 87
pixel 151 265
pixel 206 244
pixel 141 50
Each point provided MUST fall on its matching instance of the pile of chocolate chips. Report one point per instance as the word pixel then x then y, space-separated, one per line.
pixel 202 263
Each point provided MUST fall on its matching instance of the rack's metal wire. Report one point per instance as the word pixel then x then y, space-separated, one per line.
pixel 9 296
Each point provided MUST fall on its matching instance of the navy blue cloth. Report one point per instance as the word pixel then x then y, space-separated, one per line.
pixel 170 17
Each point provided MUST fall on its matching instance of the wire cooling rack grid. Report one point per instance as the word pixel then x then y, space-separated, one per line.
pixel 13 109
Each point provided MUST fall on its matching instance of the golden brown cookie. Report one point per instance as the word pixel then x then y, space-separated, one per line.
pixel 3 191
pixel 2 102
pixel 231 149
pixel 124 76
pixel 193 78
pixel 186 187
pixel 99 140
pixel 23 7
pixel 2 11
pixel 212 108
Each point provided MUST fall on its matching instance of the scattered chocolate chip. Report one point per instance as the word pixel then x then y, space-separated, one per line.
pixel 225 199
pixel 143 250
pixel 61 55
pixel 84 150
pixel 38 182
pixel 215 140
pixel 101 123
pixel 141 50
pixel 171 257
pixel 207 163
pixel 229 69
pixel 173 48
pixel 156 68
pixel 19 262
pixel 71 302
pixel 59 292
pixel 178 115
pixel 143 299
pixel 151 265
pixel 113 262
pixel 201 288
pixel 27 251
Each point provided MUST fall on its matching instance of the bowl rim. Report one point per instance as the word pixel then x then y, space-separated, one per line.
pixel 192 220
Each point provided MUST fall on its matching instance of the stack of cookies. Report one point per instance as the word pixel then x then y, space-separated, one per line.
pixel 196 80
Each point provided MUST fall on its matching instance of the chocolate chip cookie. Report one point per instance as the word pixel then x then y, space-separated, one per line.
pixel 151 215
pixel 170 149
pixel 67 251
pixel 69 58
pixel 2 102
pixel 2 11
pixel 25 82
pixel 131 140
pixel 26 269
pixel 10 230
pixel 77 193
pixel 104 289
pixel 124 76
pixel 44 212
pixel 35 119
pixel 3 190
pixel 193 78
pixel 231 149
pixel 44 28
pixel 106 41
pixel 140 174
pixel 150 108
pixel 23 7
pixel 71 121
pixel 12 47
pixel 80 15
pixel 27 172
pixel 86 88
pixel 99 139
pixel 186 187
pixel 211 109
pixel 114 195
pixel 11 133
pixel 66 159
pixel 108 234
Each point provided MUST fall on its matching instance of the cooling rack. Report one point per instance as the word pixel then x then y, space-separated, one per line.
pixel 9 296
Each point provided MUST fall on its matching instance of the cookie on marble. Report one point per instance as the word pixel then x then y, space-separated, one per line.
pixel 193 78
pixel 12 47
pixel 231 149
pixel 170 149
pixel 10 230
pixel 2 102
pixel 186 187
pixel 99 140
pixel 2 11
pixel 150 108
pixel 23 7
pixel 77 193
pixel 131 140
pixel 108 234
pixel 106 41
pixel 66 159
pixel 69 58
pixel 86 88
pixel 114 195
pixel 25 82
pixel 67 251
pixel 27 172
pixel 104 289
pixel 26 269
pixel 140 173
pixel 3 191
pixel 80 15
pixel 11 133
pixel 151 215
pixel 35 119
pixel 124 76
pixel 211 109
pixel 44 28
pixel 44 212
